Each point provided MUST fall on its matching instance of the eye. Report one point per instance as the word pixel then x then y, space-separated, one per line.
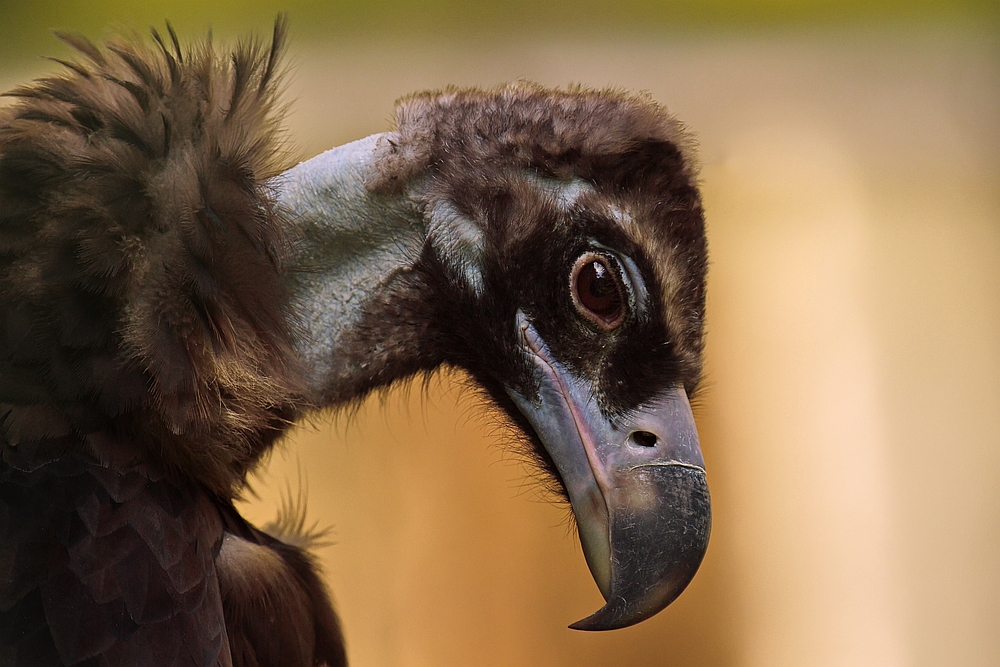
pixel 597 290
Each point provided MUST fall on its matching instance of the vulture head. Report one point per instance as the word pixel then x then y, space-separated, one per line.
pixel 551 244
pixel 173 297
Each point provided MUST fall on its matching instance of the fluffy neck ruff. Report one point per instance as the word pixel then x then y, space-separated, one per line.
pixel 143 315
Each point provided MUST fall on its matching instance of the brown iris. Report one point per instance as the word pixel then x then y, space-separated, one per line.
pixel 597 291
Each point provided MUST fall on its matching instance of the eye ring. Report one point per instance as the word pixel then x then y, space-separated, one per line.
pixel 598 293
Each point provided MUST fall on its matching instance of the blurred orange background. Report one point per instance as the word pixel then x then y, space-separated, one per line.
pixel 851 413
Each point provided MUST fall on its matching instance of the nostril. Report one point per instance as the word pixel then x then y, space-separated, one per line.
pixel 644 438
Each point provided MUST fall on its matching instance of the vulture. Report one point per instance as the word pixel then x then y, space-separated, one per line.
pixel 175 294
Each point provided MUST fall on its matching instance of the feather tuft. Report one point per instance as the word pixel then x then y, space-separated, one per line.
pixel 129 193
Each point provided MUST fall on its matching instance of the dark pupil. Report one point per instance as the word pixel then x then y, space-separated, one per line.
pixel 598 291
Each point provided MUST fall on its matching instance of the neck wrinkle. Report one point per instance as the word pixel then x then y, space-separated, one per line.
pixel 351 246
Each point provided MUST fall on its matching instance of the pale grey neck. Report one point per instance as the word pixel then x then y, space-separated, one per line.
pixel 349 244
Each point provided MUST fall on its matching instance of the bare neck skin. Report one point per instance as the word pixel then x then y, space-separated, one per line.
pixel 350 245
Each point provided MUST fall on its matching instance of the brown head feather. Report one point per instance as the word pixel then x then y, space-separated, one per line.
pixel 478 151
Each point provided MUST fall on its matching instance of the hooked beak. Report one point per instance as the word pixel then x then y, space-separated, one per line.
pixel 636 485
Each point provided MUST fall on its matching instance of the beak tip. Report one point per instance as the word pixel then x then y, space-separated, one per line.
pixel 582 625
pixel 656 553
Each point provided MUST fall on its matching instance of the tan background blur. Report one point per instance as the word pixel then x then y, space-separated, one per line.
pixel 851 414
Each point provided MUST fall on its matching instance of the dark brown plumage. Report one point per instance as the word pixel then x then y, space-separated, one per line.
pixel 140 274
pixel 145 363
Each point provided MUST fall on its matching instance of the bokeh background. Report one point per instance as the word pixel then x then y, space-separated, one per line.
pixel 851 414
